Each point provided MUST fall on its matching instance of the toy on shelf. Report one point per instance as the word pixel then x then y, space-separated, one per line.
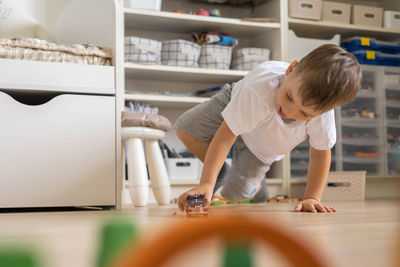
pixel 214 38
pixel 196 206
pixel 202 12
pixel 215 13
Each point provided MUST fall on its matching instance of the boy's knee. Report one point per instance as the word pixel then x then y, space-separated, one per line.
pixel 239 190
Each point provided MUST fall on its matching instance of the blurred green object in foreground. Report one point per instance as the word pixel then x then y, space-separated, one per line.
pixel 116 235
pixel 238 254
pixel 17 257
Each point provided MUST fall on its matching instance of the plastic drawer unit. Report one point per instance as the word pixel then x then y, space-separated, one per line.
pixel 57 149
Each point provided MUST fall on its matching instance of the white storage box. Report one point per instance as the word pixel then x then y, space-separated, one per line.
pixel 180 53
pixel 142 50
pixel 345 186
pixel 391 19
pixel 182 168
pixel 337 12
pixel 141 4
pixel 248 58
pixel 305 9
pixel 57 149
pixel 300 47
pixel 215 57
pixel 367 15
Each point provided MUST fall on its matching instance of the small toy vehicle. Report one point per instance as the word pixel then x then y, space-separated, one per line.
pixel 196 206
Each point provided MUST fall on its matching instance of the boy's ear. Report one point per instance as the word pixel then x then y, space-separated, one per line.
pixel 291 67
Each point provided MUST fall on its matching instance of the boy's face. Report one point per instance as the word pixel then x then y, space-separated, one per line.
pixel 288 102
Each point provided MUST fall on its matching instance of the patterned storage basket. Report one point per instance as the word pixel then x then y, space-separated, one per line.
pixel 215 57
pixel 248 58
pixel 180 53
pixel 142 50
pixel 345 186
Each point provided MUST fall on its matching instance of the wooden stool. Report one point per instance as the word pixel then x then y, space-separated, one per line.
pixel 137 172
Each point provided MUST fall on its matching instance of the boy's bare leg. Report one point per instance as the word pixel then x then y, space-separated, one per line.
pixel 199 149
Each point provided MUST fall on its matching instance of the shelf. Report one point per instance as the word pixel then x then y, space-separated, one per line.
pixel 52 76
pixel 171 73
pixel 163 21
pixel 395 104
pixel 361 160
pixel 394 87
pixel 298 180
pixel 328 29
pixel 361 141
pixel 166 101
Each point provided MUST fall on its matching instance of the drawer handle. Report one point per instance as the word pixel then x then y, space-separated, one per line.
pixel 31 98
pixel 369 15
pixel 337 11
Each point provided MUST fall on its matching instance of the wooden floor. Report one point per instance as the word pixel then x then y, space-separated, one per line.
pixel 359 234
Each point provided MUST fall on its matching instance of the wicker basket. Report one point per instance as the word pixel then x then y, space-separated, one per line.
pixel 345 186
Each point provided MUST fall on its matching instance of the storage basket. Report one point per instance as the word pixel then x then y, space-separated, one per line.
pixel 305 9
pixel 391 19
pixel 367 15
pixel 182 168
pixel 180 53
pixel 300 47
pixel 376 58
pixel 248 58
pixel 365 43
pixel 337 12
pixel 142 50
pixel 345 186
pixel 215 57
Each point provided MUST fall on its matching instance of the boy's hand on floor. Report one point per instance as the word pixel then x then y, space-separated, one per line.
pixel 314 206
pixel 202 189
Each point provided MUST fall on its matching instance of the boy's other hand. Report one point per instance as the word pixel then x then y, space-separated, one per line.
pixel 202 189
pixel 314 206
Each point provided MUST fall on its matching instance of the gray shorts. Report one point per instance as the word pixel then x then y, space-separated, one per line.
pixel 202 122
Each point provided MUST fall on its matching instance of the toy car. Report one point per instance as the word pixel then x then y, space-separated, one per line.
pixel 196 206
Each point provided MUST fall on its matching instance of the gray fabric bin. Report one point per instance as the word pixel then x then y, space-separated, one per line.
pixel 215 56
pixel 180 53
pixel 248 58
pixel 142 50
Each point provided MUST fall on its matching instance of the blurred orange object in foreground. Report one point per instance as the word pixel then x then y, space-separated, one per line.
pixel 157 252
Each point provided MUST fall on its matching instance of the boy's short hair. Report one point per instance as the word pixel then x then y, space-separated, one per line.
pixel 330 76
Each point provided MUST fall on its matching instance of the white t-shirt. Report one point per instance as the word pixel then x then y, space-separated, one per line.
pixel 251 113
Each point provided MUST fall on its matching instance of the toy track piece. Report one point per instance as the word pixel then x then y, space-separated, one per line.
pixel 157 252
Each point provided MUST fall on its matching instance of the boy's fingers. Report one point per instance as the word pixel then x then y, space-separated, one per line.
pixel 298 207
pixel 319 207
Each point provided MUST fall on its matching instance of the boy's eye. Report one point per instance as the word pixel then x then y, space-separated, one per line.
pixel 289 98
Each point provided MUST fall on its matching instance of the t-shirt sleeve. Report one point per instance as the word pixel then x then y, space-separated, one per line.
pixel 322 131
pixel 244 111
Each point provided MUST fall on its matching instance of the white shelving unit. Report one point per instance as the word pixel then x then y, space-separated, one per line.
pixel 61 121
pixel 146 83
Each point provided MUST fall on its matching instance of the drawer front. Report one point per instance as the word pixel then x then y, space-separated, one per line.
pixel 59 153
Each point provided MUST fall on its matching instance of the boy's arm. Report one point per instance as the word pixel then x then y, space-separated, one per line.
pixel 214 159
pixel 318 169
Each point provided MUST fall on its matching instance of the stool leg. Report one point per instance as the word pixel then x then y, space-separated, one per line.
pixel 137 172
pixel 158 172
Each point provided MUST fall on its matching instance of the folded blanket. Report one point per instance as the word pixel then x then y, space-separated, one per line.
pixel 132 119
pixel 42 50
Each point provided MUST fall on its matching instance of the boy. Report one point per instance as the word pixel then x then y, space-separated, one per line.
pixel 271 110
